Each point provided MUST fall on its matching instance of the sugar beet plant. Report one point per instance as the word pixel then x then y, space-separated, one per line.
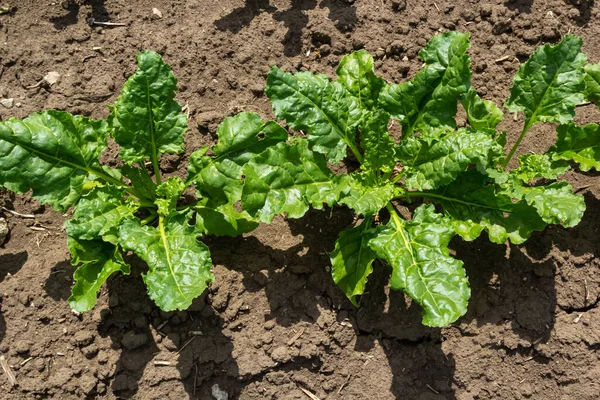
pixel 460 176
pixel 56 156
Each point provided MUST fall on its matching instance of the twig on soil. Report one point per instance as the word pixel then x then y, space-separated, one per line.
pixel 8 371
pixel 30 216
pixel 432 389
pixel 195 378
pixel 25 361
pixel 185 344
pixel 587 292
pixel 309 394
pixel 92 21
pixel 502 59
pixel 579 189
pixel 344 384
pixel 195 333
pixel 587 103
pixel 162 363
pixel 37 228
pixel 436 7
pixel 295 337
pixel 578 318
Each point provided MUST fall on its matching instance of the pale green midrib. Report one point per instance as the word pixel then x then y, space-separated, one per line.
pixel 400 229
pixel 163 237
pixel 454 200
pixel 85 167
pixel 154 151
pixel 531 121
pixel 335 126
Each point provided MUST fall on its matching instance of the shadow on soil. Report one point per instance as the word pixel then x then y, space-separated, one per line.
pixel 9 264
pixel 513 287
pixel 98 12
pixel 294 18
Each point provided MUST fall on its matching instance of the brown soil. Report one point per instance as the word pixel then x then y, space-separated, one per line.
pixel 274 323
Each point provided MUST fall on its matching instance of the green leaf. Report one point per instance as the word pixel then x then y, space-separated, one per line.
pixel 555 203
pixel 168 194
pixel 483 115
pixel 379 147
pixel 323 109
pixel 98 261
pixel 429 166
pixel 356 73
pixel 550 84
pixel 51 153
pixel 140 180
pixel 352 260
pixel 241 138
pixel 365 195
pixel 418 253
pixel 223 221
pixel 179 265
pixel 288 179
pixel 99 211
pixel 473 205
pixel 429 99
pixel 146 120
pixel 535 166
pixel 592 83
pixel 582 145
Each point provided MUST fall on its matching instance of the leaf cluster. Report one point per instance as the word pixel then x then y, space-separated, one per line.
pixel 458 174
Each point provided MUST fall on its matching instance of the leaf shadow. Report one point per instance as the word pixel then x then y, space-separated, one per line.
pixel 294 19
pixel 9 264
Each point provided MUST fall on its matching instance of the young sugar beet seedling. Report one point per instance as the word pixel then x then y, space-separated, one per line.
pixel 460 174
pixel 56 156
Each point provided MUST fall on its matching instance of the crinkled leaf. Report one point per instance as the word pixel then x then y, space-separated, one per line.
pixel 168 194
pixel 288 179
pixel 378 145
pixel 578 144
pixel 323 109
pixel 179 265
pixel 99 211
pixel 429 99
pixel 241 137
pixel 140 180
pixel 483 115
pixel 223 221
pixel 365 195
pixel 429 166
pixel 146 120
pixel 555 203
pixel 592 83
pixel 473 205
pixel 51 153
pixel 418 253
pixel 534 166
pixel 550 84
pixel 98 261
pixel 355 72
pixel 351 260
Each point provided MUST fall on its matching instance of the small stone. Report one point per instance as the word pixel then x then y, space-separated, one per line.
pixel 87 383
pixel 574 13
pixel 218 393
pixel 102 357
pixel 269 325
pixel 398 5
pixel 90 351
pixel 22 346
pixel 84 338
pixel 281 354
pixel 157 12
pixel 8 103
pixel 3 230
pixel 132 341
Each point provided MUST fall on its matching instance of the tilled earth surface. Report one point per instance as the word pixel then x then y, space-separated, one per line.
pixel 274 325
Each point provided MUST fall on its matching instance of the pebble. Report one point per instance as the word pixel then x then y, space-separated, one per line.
pixel 84 338
pixel 218 393
pixel 132 341
pixel 281 354
pixel 8 103
pixel 3 230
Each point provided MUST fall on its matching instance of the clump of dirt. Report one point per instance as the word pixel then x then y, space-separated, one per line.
pixel 273 325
